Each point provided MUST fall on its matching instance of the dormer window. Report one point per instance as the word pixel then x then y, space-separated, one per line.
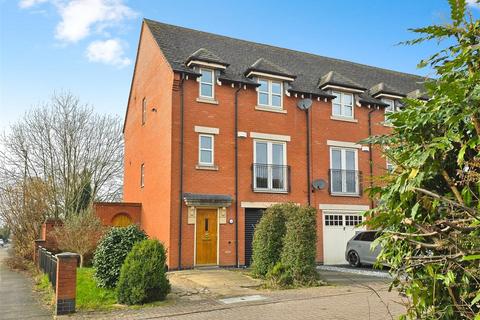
pixel 207 87
pixel 389 109
pixel 342 105
pixel 270 93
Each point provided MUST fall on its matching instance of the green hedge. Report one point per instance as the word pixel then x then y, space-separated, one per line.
pixel 142 277
pixel 268 238
pixel 300 243
pixel 112 251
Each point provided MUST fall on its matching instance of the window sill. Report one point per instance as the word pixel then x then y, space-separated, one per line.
pixel 269 109
pixel 206 167
pixel 206 100
pixel 337 118
pixel 354 195
pixel 270 191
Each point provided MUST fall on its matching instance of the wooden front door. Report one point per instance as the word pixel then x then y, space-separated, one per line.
pixel 206 236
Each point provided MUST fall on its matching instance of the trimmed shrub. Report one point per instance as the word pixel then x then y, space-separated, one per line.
pixel 279 277
pixel 142 277
pixel 112 251
pixel 268 238
pixel 299 249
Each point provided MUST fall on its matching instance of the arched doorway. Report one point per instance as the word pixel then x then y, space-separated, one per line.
pixel 121 220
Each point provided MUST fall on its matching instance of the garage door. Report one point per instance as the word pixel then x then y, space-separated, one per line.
pixel 252 217
pixel 338 228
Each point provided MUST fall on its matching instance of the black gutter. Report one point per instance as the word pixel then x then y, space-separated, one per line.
pixel 370 153
pixel 236 173
pixel 180 205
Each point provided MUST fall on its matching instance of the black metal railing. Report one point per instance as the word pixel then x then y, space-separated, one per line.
pixel 48 264
pixel 271 177
pixel 345 181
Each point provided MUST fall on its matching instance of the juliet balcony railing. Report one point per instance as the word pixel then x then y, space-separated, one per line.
pixel 270 178
pixel 345 182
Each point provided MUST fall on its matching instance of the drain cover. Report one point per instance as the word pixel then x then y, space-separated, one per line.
pixel 242 299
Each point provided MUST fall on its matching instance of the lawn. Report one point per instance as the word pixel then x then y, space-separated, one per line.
pixel 91 297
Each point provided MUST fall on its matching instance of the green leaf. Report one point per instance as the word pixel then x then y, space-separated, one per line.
pixel 475 300
pixel 471 257
pixel 415 210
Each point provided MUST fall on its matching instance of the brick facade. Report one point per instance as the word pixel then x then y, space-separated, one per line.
pixel 66 284
pixel 157 143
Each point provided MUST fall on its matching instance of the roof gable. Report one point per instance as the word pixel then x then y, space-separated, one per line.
pixel 205 55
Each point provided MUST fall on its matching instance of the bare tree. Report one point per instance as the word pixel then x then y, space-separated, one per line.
pixel 75 151
pixel 80 233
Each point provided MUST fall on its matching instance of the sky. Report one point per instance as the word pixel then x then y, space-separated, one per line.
pixel 88 47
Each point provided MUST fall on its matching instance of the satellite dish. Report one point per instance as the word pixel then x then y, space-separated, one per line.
pixel 304 104
pixel 319 184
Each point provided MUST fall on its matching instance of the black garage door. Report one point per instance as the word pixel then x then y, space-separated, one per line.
pixel 252 217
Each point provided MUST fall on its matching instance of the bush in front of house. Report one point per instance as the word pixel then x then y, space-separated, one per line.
pixel 268 238
pixel 112 251
pixel 299 247
pixel 142 277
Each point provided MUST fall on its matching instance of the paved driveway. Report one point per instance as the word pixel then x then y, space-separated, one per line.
pixel 17 301
pixel 352 296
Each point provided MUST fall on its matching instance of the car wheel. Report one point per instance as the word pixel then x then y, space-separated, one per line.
pixel 354 258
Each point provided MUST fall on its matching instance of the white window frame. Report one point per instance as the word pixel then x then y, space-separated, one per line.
pixel 270 143
pixel 200 82
pixel 270 93
pixel 144 111
pixel 142 175
pixel 340 95
pixel 343 168
pixel 390 109
pixel 200 149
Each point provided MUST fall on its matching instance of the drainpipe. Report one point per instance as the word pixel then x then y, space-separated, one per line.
pixel 236 173
pixel 370 153
pixel 180 206
pixel 309 188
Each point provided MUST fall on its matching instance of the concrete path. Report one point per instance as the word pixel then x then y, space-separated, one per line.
pixel 17 300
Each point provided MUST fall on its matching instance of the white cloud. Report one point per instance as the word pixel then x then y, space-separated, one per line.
pixel 80 16
pixel 25 4
pixel 473 3
pixel 108 51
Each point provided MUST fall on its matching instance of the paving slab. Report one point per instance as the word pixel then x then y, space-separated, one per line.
pixel 17 299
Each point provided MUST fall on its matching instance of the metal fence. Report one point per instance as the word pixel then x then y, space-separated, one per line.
pixel 48 264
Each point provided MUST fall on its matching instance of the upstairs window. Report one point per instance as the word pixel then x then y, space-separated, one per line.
pixel 269 169
pixel 207 87
pixel 205 150
pixel 389 109
pixel 342 105
pixel 144 111
pixel 270 93
pixel 344 177
pixel 142 175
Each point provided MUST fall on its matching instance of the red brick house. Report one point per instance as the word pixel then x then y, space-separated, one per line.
pixel 218 129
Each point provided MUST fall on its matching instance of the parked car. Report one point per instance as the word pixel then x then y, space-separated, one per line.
pixel 359 250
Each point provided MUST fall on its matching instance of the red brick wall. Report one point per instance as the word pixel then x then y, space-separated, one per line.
pixel 107 211
pixel 157 144
pixel 150 143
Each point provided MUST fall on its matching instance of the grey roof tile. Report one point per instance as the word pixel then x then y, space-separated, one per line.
pixel 264 65
pixel 203 54
pixel 178 43
pixel 335 78
pixel 382 87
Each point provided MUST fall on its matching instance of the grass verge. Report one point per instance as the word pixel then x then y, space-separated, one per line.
pixel 89 296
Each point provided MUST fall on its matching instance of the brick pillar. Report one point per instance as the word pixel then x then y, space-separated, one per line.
pixel 66 286
pixel 46 234
pixel 36 260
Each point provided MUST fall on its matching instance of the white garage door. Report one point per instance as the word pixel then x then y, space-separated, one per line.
pixel 338 228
